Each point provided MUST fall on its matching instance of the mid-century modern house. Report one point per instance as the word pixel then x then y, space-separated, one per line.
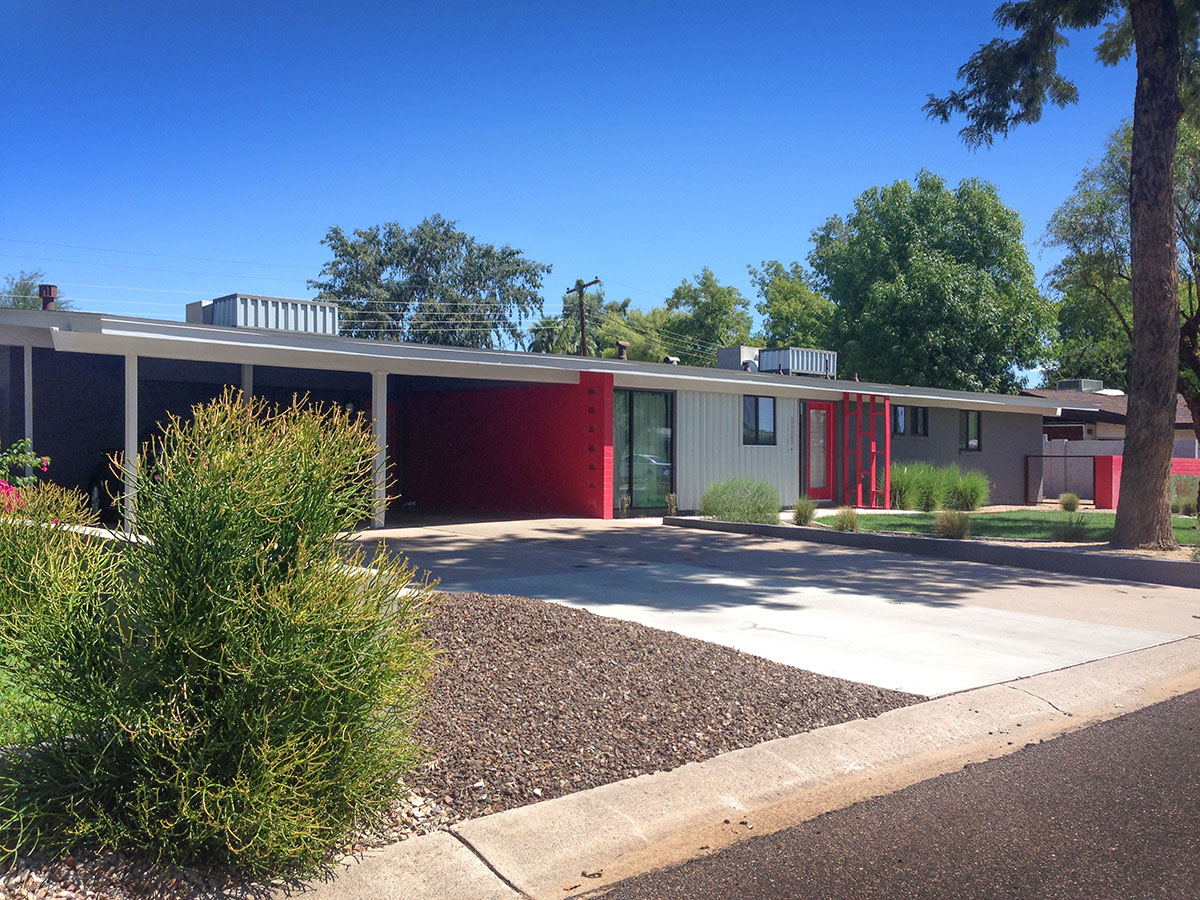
pixel 500 432
pixel 1090 412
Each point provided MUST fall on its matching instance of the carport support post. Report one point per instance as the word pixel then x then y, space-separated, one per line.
pixel 27 363
pixel 247 382
pixel 379 413
pixel 131 437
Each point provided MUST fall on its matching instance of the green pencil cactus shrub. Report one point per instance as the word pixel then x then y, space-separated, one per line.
pixel 236 687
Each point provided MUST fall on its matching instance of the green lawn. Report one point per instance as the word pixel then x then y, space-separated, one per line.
pixel 1029 525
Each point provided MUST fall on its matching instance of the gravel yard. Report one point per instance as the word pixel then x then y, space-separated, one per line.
pixel 531 701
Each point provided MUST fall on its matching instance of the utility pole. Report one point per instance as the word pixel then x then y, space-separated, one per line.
pixel 579 288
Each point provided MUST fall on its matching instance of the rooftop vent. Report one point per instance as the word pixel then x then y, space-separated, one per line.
pixel 275 313
pixel 1080 384
pixel 799 361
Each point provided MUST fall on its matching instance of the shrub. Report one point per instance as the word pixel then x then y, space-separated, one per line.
pixel 964 490
pixel 741 500
pixel 953 523
pixel 846 519
pixel 1183 494
pixel 1072 528
pixel 904 477
pixel 930 488
pixel 626 502
pixel 804 511
pixel 1068 501
pixel 672 502
pixel 237 689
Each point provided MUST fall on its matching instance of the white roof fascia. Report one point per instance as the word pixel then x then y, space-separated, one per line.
pixel 98 333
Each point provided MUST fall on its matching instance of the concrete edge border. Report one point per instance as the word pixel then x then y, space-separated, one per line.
pixel 1171 572
pixel 583 843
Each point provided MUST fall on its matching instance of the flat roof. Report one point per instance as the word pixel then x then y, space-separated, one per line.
pixel 84 332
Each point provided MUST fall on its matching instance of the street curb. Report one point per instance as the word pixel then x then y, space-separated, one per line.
pixel 631 827
pixel 1170 572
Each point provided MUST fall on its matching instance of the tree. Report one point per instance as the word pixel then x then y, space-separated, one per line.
pixel 1094 276
pixel 432 284
pixel 932 286
pixel 707 315
pixel 1007 83
pixel 794 315
pixel 20 291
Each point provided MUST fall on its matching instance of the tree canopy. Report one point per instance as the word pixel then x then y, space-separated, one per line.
pixel 1007 82
pixel 707 315
pixel 794 315
pixel 432 284
pixel 20 291
pixel 932 286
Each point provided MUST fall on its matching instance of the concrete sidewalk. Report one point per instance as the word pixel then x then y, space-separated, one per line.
pixel 580 843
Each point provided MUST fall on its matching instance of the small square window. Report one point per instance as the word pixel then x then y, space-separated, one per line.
pixel 969 437
pixel 758 421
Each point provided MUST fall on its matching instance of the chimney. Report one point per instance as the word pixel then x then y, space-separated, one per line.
pixel 622 349
pixel 48 293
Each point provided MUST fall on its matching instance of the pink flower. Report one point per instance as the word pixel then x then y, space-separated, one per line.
pixel 10 500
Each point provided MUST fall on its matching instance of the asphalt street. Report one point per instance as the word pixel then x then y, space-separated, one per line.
pixel 1112 811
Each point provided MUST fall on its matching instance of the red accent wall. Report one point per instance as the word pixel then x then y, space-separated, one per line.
pixel 541 449
pixel 1108 478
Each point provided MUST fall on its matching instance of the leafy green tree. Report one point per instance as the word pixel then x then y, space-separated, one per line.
pixel 933 286
pixel 707 315
pixel 431 284
pixel 1007 83
pixel 794 315
pixel 20 291
pixel 1095 275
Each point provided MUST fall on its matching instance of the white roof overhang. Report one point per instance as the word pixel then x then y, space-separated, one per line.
pixel 113 335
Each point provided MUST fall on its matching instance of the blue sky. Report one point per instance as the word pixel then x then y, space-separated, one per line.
pixel 207 148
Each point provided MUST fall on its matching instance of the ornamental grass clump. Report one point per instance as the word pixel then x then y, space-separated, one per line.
pixel 953 523
pixel 804 511
pixel 1073 528
pixel 236 688
pixel 741 500
pixel 964 491
pixel 845 519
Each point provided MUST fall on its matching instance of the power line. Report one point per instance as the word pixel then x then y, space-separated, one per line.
pixel 236 262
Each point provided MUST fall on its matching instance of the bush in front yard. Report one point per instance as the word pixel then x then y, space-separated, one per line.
pixel 965 490
pixel 845 519
pixel 1073 528
pixel 1183 494
pixel 1068 501
pixel 741 500
pixel 953 523
pixel 235 689
pixel 804 511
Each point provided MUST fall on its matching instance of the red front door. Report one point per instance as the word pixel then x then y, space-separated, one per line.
pixel 819 454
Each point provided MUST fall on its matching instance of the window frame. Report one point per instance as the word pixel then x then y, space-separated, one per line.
pixel 899 423
pixel 964 430
pixel 919 421
pixel 757 429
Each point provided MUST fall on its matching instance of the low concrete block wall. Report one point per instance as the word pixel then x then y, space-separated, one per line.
pixel 1176 573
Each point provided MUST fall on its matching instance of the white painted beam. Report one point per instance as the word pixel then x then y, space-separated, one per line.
pixel 379 421
pixel 131 437
pixel 28 388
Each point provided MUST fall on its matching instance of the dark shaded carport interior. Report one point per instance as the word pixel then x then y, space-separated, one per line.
pixel 458 448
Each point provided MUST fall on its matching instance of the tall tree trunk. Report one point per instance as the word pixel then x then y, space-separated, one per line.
pixel 1144 513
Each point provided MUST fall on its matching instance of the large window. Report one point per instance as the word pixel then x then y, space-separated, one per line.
pixel 758 420
pixel 969 436
pixel 643 433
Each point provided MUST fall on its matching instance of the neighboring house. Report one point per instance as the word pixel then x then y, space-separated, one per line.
pixel 498 432
pixel 1097 414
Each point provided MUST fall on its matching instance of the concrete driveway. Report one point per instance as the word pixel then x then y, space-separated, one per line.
pixel 927 626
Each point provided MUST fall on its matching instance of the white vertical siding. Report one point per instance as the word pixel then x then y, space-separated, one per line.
pixel 708 440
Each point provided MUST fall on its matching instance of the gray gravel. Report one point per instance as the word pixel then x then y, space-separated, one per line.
pixel 533 700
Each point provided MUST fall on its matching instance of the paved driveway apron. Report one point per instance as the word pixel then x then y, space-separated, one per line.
pixel 927 626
